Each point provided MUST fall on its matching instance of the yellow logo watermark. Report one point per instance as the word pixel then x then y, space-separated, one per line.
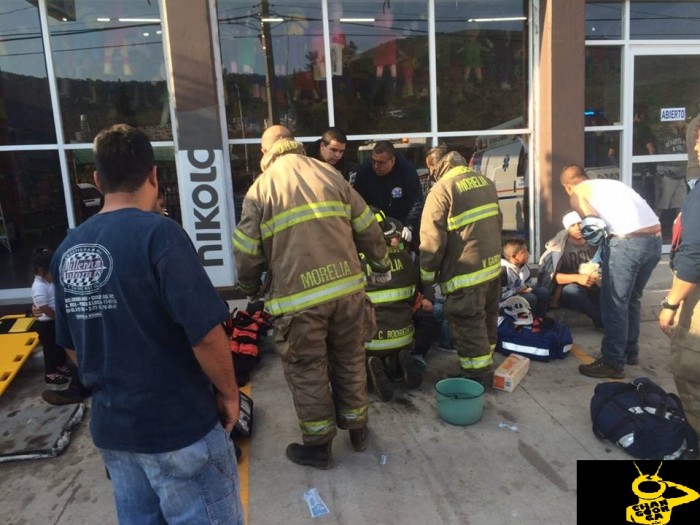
pixel 653 508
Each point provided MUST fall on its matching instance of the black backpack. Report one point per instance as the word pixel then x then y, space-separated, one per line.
pixel 643 419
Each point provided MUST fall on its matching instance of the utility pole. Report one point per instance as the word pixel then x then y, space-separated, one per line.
pixel 266 39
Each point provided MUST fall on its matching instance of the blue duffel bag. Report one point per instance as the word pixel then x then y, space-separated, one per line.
pixel 643 419
pixel 542 340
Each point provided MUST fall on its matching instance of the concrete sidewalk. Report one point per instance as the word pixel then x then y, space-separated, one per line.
pixel 417 469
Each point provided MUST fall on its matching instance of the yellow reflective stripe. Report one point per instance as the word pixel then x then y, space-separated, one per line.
pixel 246 244
pixel 472 215
pixel 316 428
pixel 353 414
pixel 317 295
pixel 389 344
pixel 476 363
pixel 306 212
pixel 471 279
pixel 427 276
pixel 363 221
pixel 457 170
pixel 248 290
pixel 391 295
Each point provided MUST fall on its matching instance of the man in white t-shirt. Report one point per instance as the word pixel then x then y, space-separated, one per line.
pixel 617 217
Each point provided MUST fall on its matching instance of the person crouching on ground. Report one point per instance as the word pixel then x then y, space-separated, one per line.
pixel 388 353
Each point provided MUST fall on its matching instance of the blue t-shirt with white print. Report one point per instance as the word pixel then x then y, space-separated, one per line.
pixel 132 298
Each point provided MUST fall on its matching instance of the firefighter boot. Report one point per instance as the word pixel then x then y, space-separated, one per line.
pixel 380 382
pixel 359 437
pixel 318 456
pixel 413 368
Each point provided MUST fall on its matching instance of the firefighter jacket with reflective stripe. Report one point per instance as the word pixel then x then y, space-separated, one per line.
pixel 460 228
pixel 303 224
pixel 393 303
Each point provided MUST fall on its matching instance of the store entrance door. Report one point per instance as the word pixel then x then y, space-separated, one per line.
pixel 666 96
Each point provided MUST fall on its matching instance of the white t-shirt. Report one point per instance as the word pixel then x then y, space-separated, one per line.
pixel 43 294
pixel 622 208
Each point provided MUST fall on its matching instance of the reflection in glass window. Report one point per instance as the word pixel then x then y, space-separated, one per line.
pixel 602 152
pixel 34 211
pixel 384 86
pixel 82 168
pixel 604 19
pixel 603 77
pixel 25 105
pixel 289 83
pixel 481 64
pixel 110 68
pixel 664 20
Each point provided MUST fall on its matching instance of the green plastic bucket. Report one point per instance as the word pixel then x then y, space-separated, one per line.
pixel 460 401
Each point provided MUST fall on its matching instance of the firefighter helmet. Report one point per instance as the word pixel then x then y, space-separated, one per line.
pixel 518 309
pixel 391 227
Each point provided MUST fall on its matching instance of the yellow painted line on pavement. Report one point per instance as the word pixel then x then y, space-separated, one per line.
pixel 244 462
pixel 581 355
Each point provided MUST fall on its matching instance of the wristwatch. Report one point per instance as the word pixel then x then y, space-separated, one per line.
pixel 668 306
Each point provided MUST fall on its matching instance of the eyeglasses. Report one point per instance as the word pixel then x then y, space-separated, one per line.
pixel 376 162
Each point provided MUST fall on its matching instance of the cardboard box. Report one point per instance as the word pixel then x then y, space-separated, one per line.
pixel 510 372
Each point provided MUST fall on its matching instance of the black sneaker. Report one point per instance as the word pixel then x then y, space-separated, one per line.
pixel 61 397
pixel 359 437
pixel 600 369
pixel 64 371
pixel 55 379
pixel 413 369
pixel 318 456
pixel 380 382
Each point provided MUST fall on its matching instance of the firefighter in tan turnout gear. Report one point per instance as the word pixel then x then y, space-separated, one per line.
pixel 461 250
pixel 388 353
pixel 303 224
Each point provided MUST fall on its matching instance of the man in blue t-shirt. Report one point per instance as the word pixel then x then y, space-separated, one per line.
pixel 137 312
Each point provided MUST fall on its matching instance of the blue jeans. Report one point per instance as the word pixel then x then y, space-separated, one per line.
pixel 445 332
pixel 538 299
pixel 582 299
pixel 195 485
pixel 627 266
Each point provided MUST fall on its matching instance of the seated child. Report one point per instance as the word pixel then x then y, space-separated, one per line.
pixel 567 274
pixel 390 347
pixel 516 279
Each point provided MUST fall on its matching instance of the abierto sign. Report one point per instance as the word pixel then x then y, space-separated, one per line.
pixel 672 114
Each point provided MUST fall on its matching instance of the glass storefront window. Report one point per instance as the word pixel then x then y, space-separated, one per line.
pixel 82 166
pixel 602 154
pixel 33 208
pixel 604 19
pixel 289 82
pixel 482 64
pixel 664 20
pixel 110 67
pixel 26 116
pixel 603 77
pixel 384 85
